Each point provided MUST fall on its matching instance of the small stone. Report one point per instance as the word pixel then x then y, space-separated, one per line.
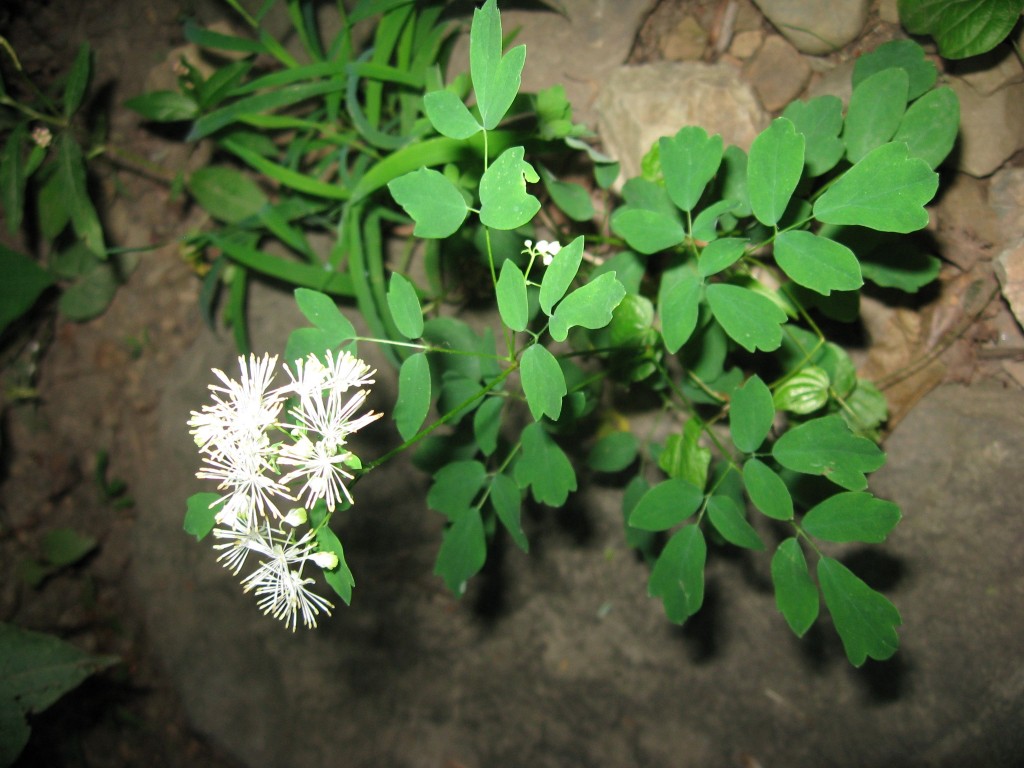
pixel 1009 269
pixel 640 104
pixel 819 27
pixel 990 126
pixel 778 73
pixel 1006 198
pixel 745 44
pixel 990 71
pixel 888 11
pixel 686 42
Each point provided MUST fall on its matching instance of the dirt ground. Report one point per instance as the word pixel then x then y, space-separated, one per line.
pixel 89 394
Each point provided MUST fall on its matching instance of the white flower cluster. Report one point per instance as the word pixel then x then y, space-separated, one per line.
pixel 546 250
pixel 310 419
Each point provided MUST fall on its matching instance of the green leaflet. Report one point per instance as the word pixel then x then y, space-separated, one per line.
pixel 404 305
pixel 201 513
pixel 766 490
pixel 750 319
pixel 544 468
pixel 226 194
pixel 496 78
pixel 816 262
pixel 962 28
pixel 852 516
pixel 826 446
pixel 678 575
pixel 876 108
pixel 413 401
pixel 729 520
pixel 431 200
pixel 865 620
pixel 506 499
pixel 904 54
pixel 665 505
pixel 721 254
pixel 930 126
pixel 689 161
pixel 572 199
pixel 647 231
pixel 324 314
pixel 795 594
pixel 504 201
pixel 339 578
pixel 559 274
pixel 804 392
pixel 684 457
pixel 613 453
pixel 487 424
pixel 543 382
pixel 886 190
pixel 23 282
pixel 590 306
pixel 820 120
pixel 455 487
pixel 751 413
pixel 511 294
pixel 449 115
pixel 463 551
pixel 774 168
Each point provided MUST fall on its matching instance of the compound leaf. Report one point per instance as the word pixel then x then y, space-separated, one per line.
pixel 463 551
pixel 324 314
pixel 543 467
pixel 962 28
pixel 449 115
pixel 455 486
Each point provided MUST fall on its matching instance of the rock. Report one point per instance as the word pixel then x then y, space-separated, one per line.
pixel 1006 197
pixel 640 104
pixel 817 27
pixel 834 81
pixel 745 44
pixel 888 11
pixel 1009 268
pixel 990 71
pixel 778 73
pixel 685 42
pixel 990 127
pixel 599 34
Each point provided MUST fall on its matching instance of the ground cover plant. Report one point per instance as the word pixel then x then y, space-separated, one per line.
pixel 701 293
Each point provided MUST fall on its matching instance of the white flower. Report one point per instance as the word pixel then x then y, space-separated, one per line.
pixel 243 473
pixel 283 592
pixel 322 467
pixel 546 250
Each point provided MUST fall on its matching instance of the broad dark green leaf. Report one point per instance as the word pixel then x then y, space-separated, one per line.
pixel 887 190
pixel 689 160
pixel 751 413
pixel 678 307
pixel 865 620
pixel 66 546
pixel 339 578
pixel 543 382
pixel 506 499
pixel 487 424
pixel 405 306
pixel 613 452
pixel 432 200
pixel 774 168
pixel 962 28
pixel 876 108
pixel 729 520
pixel 504 201
pixel 455 487
pixel 226 194
pixel 817 263
pixel 463 551
pixel 665 505
pixel 931 125
pixel 413 401
pixel 684 457
pixel 75 197
pixel 751 319
pixel 559 274
pixel 322 312
pixel 826 446
pixel 852 516
pixel 820 120
pixel 647 231
pixel 90 294
pixel 678 575
pixel 720 254
pixel 803 392
pixel 23 282
pixel 909 269
pixel 200 514
pixel 905 54
pixel 795 594
pixel 449 115
pixel 590 306
pixel 767 490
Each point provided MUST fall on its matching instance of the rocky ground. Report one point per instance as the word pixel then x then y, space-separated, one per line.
pixel 555 659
